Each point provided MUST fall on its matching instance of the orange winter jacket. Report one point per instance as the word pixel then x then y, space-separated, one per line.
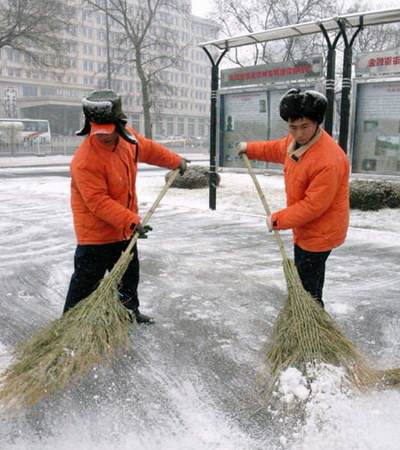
pixel 103 192
pixel 317 189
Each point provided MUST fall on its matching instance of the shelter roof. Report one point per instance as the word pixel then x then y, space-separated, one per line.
pixel 302 29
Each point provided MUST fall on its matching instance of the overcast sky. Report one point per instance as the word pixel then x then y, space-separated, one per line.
pixel 201 7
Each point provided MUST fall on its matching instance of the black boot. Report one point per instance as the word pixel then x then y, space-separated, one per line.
pixel 142 318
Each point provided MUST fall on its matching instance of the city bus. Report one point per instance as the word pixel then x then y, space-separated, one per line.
pixel 33 130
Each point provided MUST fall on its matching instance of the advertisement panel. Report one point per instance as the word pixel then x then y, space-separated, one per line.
pixel 272 73
pixel 376 146
pixel 10 102
pixel 245 117
pixel 378 63
pixel 251 115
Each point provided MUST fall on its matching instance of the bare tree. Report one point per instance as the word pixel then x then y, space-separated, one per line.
pixel 374 38
pixel 34 27
pixel 147 42
pixel 236 17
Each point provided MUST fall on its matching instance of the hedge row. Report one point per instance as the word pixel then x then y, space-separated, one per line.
pixel 374 195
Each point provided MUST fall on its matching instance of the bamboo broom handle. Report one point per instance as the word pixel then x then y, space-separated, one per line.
pixel 150 212
pixel 265 203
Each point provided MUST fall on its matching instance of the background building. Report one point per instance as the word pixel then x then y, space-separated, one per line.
pixel 181 109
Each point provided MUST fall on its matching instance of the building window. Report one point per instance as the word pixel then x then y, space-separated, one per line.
pixel 29 91
pixel 202 128
pixel 181 126
pixel 170 126
pixel 135 119
pixel 191 127
pixel 159 128
pixel 49 91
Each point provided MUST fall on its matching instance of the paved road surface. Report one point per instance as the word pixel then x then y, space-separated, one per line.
pixel 214 284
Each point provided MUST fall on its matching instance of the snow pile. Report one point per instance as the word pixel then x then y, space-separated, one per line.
pixel 293 385
pixel 324 412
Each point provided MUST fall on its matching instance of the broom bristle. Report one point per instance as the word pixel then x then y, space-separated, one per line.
pixel 388 378
pixel 88 334
pixel 305 334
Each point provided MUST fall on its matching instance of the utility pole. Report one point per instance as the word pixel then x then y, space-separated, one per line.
pixel 108 46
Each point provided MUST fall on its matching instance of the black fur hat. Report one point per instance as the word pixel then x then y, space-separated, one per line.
pixel 296 104
pixel 104 107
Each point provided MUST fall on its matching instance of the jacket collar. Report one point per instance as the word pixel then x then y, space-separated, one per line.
pixel 296 153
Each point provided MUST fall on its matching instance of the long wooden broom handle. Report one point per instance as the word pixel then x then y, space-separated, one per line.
pixel 150 212
pixel 265 203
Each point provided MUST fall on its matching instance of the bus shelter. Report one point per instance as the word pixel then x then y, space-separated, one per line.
pixel 345 27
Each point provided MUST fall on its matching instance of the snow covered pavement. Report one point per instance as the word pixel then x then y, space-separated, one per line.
pixel 214 282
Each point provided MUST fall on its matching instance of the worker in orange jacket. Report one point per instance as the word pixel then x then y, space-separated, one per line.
pixel 316 172
pixel 103 197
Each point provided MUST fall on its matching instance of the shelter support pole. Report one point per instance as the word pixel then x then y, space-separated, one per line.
pixel 213 127
pixel 330 78
pixel 346 83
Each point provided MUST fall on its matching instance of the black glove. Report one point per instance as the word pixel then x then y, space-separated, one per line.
pixel 183 166
pixel 142 230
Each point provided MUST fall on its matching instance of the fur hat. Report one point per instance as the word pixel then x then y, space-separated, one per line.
pixel 104 107
pixel 296 104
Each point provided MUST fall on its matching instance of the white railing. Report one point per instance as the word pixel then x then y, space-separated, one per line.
pixel 58 146
pixel 67 145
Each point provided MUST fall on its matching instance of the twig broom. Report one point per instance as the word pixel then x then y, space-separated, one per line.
pixel 69 347
pixel 305 334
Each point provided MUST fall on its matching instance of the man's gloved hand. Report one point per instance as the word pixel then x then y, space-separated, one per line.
pixel 241 147
pixel 183 166
pixel 142 230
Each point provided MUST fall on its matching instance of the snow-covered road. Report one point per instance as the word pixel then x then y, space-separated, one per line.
pixel 214 282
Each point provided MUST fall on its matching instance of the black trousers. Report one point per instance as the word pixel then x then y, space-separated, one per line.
pixel 90 265
pixel 311 268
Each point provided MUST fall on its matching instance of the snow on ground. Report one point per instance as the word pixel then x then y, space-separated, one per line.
pixel 214 282
pixel 335 418
pixel 4 357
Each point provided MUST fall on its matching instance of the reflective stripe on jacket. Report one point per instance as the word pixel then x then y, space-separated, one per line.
pixel 317 191
pixel 103 186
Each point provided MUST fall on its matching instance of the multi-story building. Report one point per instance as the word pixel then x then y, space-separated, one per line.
pixel 55 94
